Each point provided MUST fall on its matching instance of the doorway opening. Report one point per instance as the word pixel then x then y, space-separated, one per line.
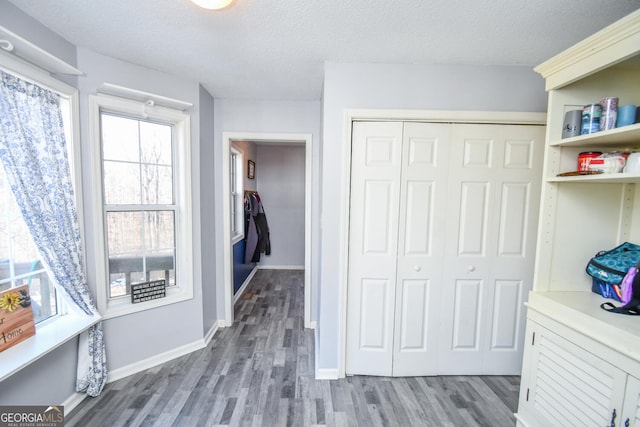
pixel 264 139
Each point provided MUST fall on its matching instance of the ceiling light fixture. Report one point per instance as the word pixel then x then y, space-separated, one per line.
pixel 213 4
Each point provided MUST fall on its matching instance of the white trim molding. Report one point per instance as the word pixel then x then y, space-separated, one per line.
pixel 183 290
pixel 35 55
pixel 279 138
pixel 158 359
pixel 616 41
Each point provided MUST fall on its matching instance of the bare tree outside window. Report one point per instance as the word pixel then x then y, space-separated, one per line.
pixel 139 201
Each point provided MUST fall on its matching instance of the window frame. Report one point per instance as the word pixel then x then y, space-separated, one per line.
pixel 237 173
pixel 183 290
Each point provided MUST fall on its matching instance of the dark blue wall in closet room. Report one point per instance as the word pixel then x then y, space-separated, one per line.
pixel 240 270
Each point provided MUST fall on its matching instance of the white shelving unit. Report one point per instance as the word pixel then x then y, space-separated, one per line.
pixel 582 364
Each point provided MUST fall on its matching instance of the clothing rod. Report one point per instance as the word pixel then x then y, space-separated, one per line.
pixel 250 192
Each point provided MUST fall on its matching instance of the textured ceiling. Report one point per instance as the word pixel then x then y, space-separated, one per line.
pixel 275 49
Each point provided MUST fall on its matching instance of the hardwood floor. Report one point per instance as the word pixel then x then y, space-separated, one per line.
pixel 260 372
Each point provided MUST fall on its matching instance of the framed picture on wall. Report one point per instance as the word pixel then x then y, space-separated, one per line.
pixel 251 170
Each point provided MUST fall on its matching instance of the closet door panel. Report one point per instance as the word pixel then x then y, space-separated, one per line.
pixel 506 315
pixel 377 221
pixel 491 240
pixel 420 248
pixel 473 213
pixel 518 178
pixel 467 313
pixel 373 243
pixel 414 308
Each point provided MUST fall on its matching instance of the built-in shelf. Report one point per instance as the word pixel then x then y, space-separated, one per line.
pixel 605 178
pixel 627 135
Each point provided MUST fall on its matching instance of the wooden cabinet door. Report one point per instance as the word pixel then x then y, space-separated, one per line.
pixel 631 406
pixel 568 385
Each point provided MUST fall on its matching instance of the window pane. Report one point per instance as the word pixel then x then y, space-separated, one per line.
pixel 43 296
pixel 121 183
pixel 124 233
pixel 138 161
pixel 157 185
pixel 20 262
pixel 141 247
pixel 155 143
pixel 120 138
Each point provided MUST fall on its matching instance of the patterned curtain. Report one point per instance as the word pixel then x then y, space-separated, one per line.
pixel 34 155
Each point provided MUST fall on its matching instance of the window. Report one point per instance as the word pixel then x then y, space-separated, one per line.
pixel 20 260
pixel 145 207
pixel 235 181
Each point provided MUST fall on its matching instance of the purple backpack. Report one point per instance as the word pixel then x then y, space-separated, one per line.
pixel 630 294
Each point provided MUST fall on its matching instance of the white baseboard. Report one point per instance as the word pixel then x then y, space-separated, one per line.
pixel 72 401
pixel 312 325
pixel 243 288
pixel 211 332
pixel 323 373
pixel 156 360
pixel 280 267
pixel 326 374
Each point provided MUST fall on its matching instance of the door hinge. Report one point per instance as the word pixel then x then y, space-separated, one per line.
pixel 533 338
pixel 527 399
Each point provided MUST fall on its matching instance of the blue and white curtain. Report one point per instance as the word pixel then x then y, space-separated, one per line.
pixel 35 159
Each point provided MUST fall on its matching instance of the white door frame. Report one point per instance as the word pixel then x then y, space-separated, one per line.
pixel 437 116
pixel 267 138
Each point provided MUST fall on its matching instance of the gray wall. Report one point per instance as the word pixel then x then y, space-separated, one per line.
pixel 391 86
pixel 280 172
pixel 208 206
pixel 270 117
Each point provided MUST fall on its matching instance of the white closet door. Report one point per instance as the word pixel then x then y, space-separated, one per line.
pixel 489 255
pixel 373 244
pixel 423 197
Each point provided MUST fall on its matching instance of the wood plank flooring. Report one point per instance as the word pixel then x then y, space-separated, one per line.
pixel 260 372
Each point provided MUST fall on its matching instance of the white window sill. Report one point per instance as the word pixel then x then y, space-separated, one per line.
pixel 47 338
pixel 122 306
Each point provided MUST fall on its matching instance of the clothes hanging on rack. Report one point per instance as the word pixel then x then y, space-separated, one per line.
pixel 256 228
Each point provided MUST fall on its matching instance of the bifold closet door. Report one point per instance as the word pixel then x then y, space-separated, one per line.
pixel 396 247
pixel 441 247
pixel 423 196
pixel 373 241
pixel 494 186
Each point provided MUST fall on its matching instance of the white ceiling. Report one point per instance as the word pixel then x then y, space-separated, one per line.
pixel 275 49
